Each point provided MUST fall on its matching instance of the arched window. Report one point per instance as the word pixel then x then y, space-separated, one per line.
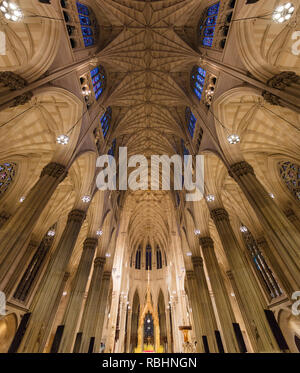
pixel 105 121
pixel 191 121
pixel 263 271
pixel 158 258
pixel 7 174
pixel 78 15
pixel 35 266
pixel 98 80
pixel 148 257
pixel 138 258
pixel 112 149
pixel 86 24
pixel 198 80
pixel 290 174
pixel 203 85
pixel 215 23
pixel 208 25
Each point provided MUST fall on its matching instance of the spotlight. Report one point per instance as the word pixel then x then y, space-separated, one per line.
pixel 233 139
pixel 283 13
pixel 86 199
pixel 10 11
pixel 210 198
pixel 63 139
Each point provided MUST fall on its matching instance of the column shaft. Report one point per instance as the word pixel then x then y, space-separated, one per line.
pixel 72 312
pixel 283 235
pixel 19 227
pixel 207 315
pixel 91 309
pixel 259 331
pixel 35 337
pixel 225 312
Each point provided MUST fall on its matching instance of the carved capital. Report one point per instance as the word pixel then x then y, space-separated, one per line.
pixel 219 215
pixel 90 243
pixel 271 99
pixel 54 169
pixel 22 99
pixel 283 80
pixel 12 80
pixel 206 242
pixel 197 261
pixel 76 216
pixel 240 169
pixel 190 275
pixel 100 260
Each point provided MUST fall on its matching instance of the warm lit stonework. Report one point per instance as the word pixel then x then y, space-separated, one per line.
pixel 131 270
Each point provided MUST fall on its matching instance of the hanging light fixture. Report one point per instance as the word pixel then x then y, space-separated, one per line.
pixel 243 229
pixel 108 255
pixel 22 199
pixel 272 195
pixel 189 253
pixel 197 232
pixel 11 11
pixel 283 13
pixel 210 198
pixel 99 232
pixel 51 233
pixel 233 139
pixel 63 139
pixel 86 199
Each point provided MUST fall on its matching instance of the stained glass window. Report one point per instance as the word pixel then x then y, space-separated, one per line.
pixel 197 81
pixel 7 173
pixel 263 270
pixel 86 24
pixel 99 81
pixel 158 259
pixel 184 149
pixel 190 120
pixel 148 257
pixel 105 121
pixel 290 174
pixel 138 258
pixel 207 27
pixel 112 149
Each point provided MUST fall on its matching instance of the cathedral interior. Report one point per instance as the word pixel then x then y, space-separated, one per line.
pixel 85 269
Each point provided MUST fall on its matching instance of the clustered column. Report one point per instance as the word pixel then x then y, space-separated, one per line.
pixel 225 312
pixel 258 328
pixel 74 305
pixel 43 303
pixel 19 227
pixel 91 310
pixel 208 320
pixel 283 235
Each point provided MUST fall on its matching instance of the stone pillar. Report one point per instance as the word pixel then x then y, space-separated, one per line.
pixel 259 332
pixel 282 234
pixel 169 332
pixel 196 312
pixel 225 312
pixel 293 218
pixel 18 229
pixel 129 318
pixel 104 290
pixel 208 320
pixel 43 303
pixel 91 309
pixel 72 312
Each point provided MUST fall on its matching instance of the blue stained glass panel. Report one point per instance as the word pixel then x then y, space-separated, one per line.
pixel 211 21
pixel 207 41
pixel 214 9
pixel 209 31
pixel 82 9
